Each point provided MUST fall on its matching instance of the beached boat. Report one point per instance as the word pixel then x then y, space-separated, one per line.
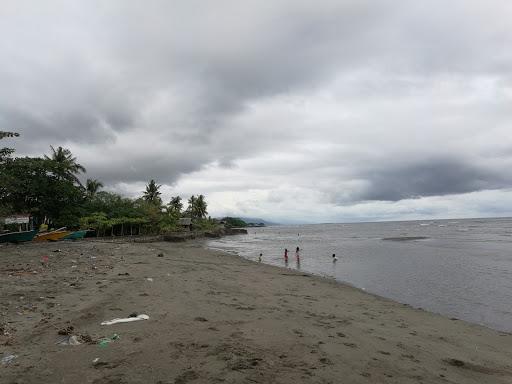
pixel 17 237
pixel 91 233
pixel 75 235
pixel 52 236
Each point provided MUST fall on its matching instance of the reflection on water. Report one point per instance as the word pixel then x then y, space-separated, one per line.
pixel 460 268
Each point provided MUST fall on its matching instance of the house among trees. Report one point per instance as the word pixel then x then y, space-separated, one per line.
pixel 20 221
pixel 185 223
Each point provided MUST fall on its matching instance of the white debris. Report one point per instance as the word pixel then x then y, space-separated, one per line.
pixel 126 320
pixel 68 340
pixel 8 359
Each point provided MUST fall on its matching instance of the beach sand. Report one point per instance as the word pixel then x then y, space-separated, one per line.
pixel 214 318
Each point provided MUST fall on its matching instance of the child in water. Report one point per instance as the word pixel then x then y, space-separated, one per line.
pixel 259 258
pixel 334 258
pixel 286 255
pixel 297 254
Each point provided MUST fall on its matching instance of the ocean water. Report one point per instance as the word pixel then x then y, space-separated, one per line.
pixel 462 269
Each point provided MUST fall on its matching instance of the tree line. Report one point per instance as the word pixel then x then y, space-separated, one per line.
pixel 50 190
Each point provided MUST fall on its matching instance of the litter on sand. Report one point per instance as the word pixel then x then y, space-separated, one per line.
pixel 7 359
pixel 103 343
pixel 68 340
pixel 125 320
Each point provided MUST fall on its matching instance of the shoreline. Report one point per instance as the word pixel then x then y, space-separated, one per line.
pixel 362 290
pixel 218 317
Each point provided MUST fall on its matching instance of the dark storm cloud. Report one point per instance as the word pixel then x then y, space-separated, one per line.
pixel 431 178
pixel 163 89
pixel 87 128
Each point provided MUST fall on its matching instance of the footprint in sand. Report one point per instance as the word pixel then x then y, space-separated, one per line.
pixel 410 357
pixel 185 377
pixel 298 332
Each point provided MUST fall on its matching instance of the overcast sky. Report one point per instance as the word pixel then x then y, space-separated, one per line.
pixel 292 111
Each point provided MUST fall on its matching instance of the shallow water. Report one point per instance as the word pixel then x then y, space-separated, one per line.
pixel 462 269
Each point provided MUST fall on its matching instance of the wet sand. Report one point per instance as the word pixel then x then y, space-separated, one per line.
pixel 215 317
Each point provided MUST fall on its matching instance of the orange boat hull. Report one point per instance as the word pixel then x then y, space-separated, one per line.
pixel 52 236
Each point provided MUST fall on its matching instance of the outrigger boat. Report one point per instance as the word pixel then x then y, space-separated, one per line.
pixel 17 237
pixel 76 235
pixel 56 235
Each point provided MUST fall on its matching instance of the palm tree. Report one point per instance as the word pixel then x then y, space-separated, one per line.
pixel 152 193
pixel 197 206
pixel 201 206
pixel 70 167
pixel 191 209
pixel 92 186
pixel 175 205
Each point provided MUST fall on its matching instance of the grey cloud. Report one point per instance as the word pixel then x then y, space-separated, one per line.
pixel 431 178
pixel 186 82
pixel 87 128
pixel 165 169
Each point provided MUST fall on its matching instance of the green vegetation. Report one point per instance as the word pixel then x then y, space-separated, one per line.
pixel 48 188
pixel 234 222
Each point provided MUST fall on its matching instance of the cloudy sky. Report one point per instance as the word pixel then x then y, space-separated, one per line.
pixel 288 110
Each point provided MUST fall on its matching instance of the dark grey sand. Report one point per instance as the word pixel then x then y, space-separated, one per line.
pixel 218 318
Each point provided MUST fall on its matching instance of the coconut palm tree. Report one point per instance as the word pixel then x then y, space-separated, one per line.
pixel 175 205
pixel 68 164
pixel 152 193
pixel 197 207
pixel 92 186
pixel 191 209
pixel 201 206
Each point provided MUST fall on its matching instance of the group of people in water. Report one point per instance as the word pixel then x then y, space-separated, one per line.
pixel 297 256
